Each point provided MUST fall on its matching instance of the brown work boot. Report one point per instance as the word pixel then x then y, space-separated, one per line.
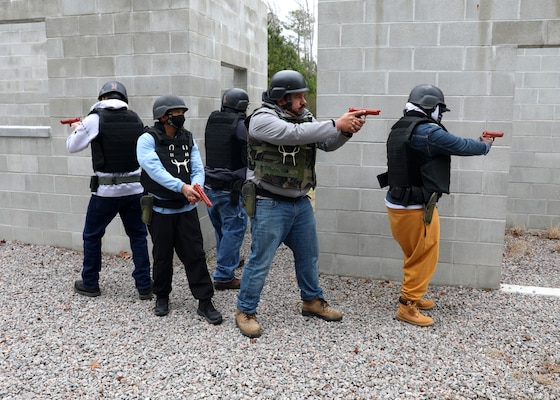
pixel 248 324
pixel 235 283
pixel 320 308
pixel 408 312
pixel 425 304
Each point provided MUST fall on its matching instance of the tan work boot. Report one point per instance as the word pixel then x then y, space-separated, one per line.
pixel 248 324
pixel 320 308
pixel 425 304
pixel 408 312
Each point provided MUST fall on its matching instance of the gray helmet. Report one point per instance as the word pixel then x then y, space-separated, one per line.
pixel 167 102
pixel 113 90
pixel 427 97
pixel 236 99
pixel 285 82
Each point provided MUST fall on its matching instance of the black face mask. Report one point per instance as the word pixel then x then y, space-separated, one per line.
pixel 176 121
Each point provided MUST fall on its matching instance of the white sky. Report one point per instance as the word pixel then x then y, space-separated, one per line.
pixel 283 7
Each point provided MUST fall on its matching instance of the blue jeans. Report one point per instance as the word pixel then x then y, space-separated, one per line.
pixel 230 224
pixel 101 211
pixel 276 222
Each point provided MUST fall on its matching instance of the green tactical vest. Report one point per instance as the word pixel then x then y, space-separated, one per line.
pixel 288 167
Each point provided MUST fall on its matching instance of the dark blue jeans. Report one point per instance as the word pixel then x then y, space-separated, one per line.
pixel 101 211
pixel 230 224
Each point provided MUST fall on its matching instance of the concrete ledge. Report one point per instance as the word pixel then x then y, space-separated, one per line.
pixel 543 291
pixel 25 131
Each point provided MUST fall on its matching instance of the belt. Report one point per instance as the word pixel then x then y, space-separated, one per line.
pixel 274 196
pixel 117 180
pixel 218 184
pixel 174 204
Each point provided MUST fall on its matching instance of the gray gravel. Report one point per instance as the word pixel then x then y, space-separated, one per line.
pixel 484 344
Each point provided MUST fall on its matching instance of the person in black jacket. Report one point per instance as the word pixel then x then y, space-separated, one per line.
pixel 226 167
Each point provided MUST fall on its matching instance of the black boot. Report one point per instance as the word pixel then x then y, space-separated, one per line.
pixel 206 309
pixel 162 306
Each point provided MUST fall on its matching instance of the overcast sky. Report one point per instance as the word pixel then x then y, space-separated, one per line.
pixel 283 7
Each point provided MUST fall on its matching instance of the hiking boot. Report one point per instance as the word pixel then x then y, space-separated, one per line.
pixel 206 309
pixel 248 324
pixel 408 312
pixel 86 291
pixel 162 306
pixel 233 284
pixel 425 304
pixel 145 294
pixel 320 308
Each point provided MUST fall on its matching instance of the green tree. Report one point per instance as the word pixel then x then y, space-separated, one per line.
pixel 284 54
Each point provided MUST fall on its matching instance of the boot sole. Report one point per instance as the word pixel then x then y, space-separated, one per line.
pixel 312 314
pixel 412 322
pixel 87 294
pixel 217 321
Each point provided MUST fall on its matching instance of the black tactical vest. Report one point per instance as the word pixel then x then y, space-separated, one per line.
pixel 410 168
pixel 174 153
pixel 223 148
pixel 114 148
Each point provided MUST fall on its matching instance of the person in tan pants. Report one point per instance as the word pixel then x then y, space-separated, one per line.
pixel 419 150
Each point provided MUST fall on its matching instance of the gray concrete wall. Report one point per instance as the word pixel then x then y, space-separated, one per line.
pixel 497 63
pixel 54 57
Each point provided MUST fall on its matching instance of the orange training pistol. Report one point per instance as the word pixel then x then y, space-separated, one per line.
pixel 202 195
pixel 69 121
pixel 492 135
pixel 368 111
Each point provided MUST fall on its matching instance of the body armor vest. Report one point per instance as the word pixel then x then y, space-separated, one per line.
pixel 174 153
pixel 290 167
pixel 410 168
pixel 114 148
pixel 223 148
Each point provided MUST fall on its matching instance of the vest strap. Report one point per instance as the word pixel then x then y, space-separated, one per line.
pixel 117 180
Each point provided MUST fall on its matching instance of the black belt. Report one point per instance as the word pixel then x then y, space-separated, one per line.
pixel 274 196
pixel 117 180
pixel 218 184
pixel 175 204
pixel 407 195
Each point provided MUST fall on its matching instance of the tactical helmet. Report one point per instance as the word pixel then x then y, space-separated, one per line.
pixel 427 97
pixel 285 82
pixel 167 102
pixel 236 99
pixel 113 90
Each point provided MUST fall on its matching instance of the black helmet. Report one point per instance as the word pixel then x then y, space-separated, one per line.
pixel 427 97
pixel 167 102
pixel 236 99
pixel 113 90
pixel 284 82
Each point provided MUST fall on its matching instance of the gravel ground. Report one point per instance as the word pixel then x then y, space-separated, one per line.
pixel 484 344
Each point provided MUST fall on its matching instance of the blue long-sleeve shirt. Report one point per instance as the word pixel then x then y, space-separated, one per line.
pixel 151 164
pixel 432 140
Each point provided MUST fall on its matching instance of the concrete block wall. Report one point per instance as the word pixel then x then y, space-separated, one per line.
pixel 56 55
pixel 534 181
pixel 371 54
